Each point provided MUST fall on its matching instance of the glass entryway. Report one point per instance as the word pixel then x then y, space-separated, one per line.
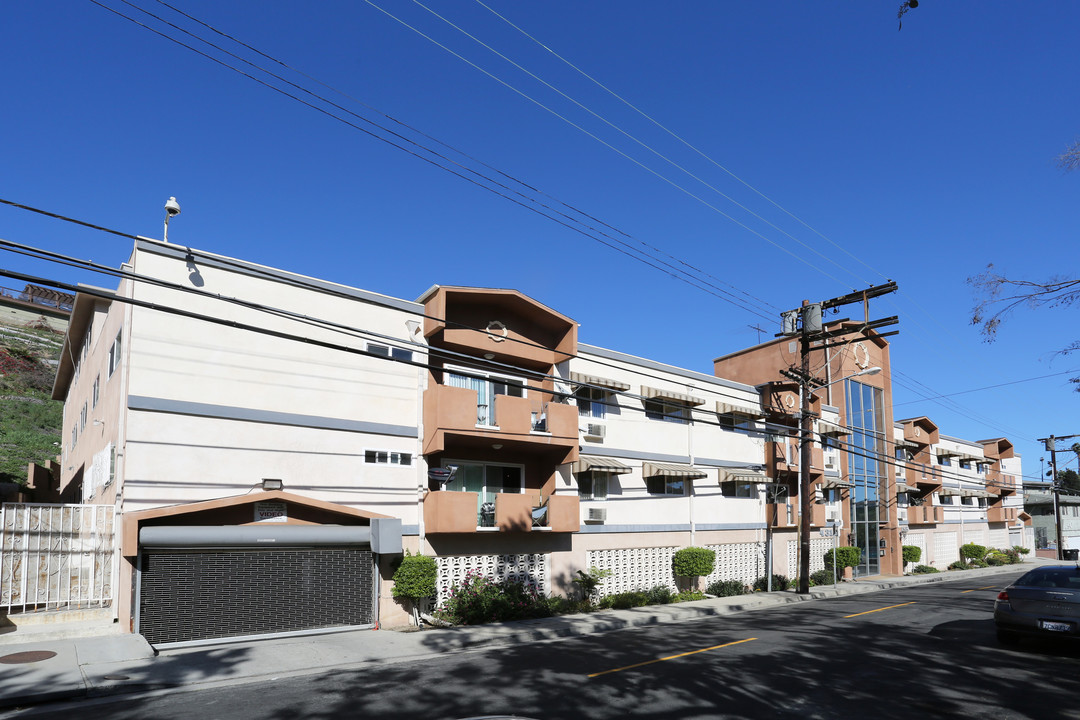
pixel 486 481
pixel 865 417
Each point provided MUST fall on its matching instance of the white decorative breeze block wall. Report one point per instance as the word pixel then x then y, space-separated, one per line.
pixel 946 550
pixel 533 569
pixel 1000 538
pixel 633 568
pixel 978 537
pixel 818 547
pixel 738 561
pixel 919 541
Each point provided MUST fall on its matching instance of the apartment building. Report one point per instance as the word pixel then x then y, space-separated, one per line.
pixel 270 443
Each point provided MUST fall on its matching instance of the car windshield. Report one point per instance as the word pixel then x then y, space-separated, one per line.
pixel 1067 577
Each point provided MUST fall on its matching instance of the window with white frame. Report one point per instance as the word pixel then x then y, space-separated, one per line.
pixel 945 500
pixel 387 457
pixel 487 388
pixel 593 485
pixel 392 352
pixel 97 390
pixel 82 418
pixel 114 353
pixel 592 401
pixel 667 411
pixel 944 460
pixel 967 501
pixel 736 422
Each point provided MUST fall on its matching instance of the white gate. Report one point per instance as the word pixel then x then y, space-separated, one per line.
pixel 56 556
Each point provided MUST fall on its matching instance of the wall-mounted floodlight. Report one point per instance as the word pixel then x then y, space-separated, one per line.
pixel 272 484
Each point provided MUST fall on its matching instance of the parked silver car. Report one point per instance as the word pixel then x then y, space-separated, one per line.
pixel 1044 602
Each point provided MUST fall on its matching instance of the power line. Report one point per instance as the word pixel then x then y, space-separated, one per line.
pixel 990 387
pixel 566 221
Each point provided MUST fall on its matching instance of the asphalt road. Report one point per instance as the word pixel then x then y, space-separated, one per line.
pixel 926 651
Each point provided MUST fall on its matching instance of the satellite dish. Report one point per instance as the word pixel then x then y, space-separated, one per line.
pixel 441 475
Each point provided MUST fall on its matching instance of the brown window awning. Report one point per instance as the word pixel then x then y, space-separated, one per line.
pixel 730 408
pixel 678 397
pixel 595 463
pixel 597 381
pixel 831 483
pixel 827 428
pixel 743 476
pixel 672 470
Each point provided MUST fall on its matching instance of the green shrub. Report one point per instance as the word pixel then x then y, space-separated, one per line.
pixel 1021 549
pixel 846 556
pixel 478 600
pixel 588 581
pixel 971 551
pixel 978 563
pixel 779 582
pixel 912 553
pixel 996 557
pixel 822 577
pixel 624 601
pixel 660 595
pixel 693 562
pixel 415 577
pixel 958 565
pixel 727 588
pixel 688 595
pixel 924 570
pixel 565 606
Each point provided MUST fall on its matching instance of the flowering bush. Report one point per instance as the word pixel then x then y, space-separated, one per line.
pixel 478 600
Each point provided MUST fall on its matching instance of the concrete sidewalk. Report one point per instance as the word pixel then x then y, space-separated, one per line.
pixel 115 664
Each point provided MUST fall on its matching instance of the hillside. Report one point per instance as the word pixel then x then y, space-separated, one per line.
pixel 30 421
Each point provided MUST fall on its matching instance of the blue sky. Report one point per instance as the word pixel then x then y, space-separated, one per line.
pixel 918 156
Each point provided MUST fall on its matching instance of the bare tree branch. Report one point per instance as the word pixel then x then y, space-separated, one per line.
pixel 904 7
pixel 1070 159
pixel 998 296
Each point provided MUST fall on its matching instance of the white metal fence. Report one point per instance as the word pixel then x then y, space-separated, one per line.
pixel 56 556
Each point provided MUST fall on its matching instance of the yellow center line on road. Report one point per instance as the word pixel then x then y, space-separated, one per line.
pixel 670 657
pixel 880 609
pixel 988 587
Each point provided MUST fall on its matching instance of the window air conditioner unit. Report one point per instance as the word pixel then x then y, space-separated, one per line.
pixel 597 514
pixel 595 430
pixel 832 515
pixel 830 464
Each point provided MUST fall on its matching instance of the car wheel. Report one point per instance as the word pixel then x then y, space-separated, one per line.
pixel 1007 637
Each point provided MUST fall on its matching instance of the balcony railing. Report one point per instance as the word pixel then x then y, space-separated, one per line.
pixel 925 514
pixel 448 511
pixel 1002 514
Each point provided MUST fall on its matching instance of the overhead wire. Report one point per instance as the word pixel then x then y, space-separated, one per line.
pixel 566 221
pixel 608 145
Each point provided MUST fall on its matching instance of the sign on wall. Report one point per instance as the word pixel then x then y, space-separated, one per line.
pixel 271 512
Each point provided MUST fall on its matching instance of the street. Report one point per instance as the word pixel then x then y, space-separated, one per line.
pixel 929 649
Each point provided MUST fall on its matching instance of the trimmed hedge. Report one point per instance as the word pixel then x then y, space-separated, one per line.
pixel 693 562
pixel 846 556
pixel 912 553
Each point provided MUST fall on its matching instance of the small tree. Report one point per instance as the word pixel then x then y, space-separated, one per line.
pixel 415 580
pixel 912 553
pixel 589 583
pixel 846 556
pixel 693 562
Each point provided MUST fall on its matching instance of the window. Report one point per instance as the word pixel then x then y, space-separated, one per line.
pixel 945 500
pixel 591 401
pixel 944 460
pixel 97 390
pixel 667 411
pixel 830 442
pixel 980 468
pixel 593 485
pixel 387 351
pixel 114 353
pixel 982 502
pixel 487 388
pixel 82 418
pixel 965 464
pixel 74 435
pixel 967 501
pixel 665 486
pixel 734 489
pixel 387 457
pixel 486 481
pixel 736 422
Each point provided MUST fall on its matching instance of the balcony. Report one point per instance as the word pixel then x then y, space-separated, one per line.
pixel 925 514
pixel 927 477
pixel 534 422
pixel 784 457
pixel 1002 514
pixel 447 511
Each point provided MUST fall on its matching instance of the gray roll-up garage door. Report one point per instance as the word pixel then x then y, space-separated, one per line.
pixel 236 589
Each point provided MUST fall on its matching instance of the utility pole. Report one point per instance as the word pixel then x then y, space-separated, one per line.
pixel 1051 446
pixel 806 322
